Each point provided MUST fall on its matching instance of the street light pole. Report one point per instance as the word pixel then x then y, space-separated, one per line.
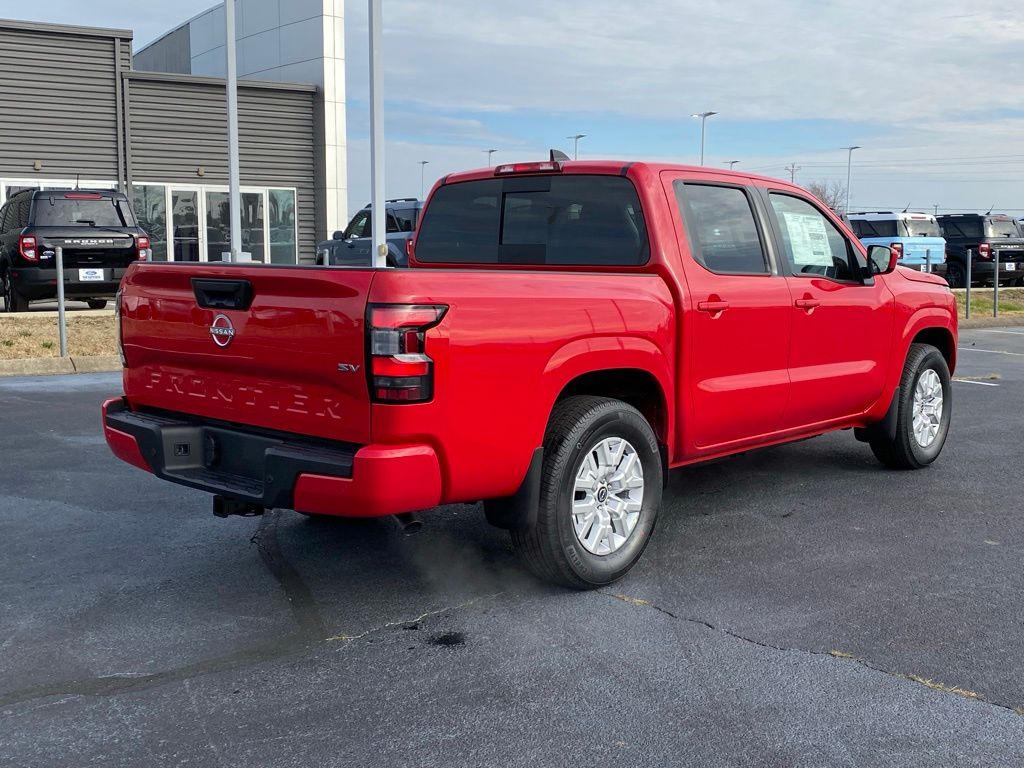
pixel 377 229
pixel 730 163
pixel 489 152
pixel 234 194
pixel 423 167
pixel 849 169
pixel 703 120
pixel 576 144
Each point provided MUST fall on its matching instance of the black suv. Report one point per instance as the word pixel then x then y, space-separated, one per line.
pixel 351 247
pixel 982 234
pixel 96 229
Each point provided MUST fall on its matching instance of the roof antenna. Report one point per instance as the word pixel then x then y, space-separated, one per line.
pixel 907 208
pixel 990 209
pixel 558 156
pixel 77 177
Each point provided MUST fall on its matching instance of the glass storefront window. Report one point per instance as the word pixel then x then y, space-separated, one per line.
pixel 282 226
pixel 185 224
pixel 218 225
pixel 150 204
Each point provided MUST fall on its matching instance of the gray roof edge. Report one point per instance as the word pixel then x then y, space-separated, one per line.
pixel 167 77
pixel 65 29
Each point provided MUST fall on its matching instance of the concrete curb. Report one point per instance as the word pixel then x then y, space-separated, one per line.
pixel 42 366
pixel 992 322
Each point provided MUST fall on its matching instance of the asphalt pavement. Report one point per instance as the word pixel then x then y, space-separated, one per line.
pixel 798 606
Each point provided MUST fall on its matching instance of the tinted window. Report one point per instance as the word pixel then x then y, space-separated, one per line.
pixel 810 242
pixel 3 217
pixel 874 228
pixel 720 224
pixel 59 210
pixel 967 228
pixel 405 218
pixel 585 220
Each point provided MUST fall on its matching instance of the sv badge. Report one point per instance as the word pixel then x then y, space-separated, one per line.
pixel 348 368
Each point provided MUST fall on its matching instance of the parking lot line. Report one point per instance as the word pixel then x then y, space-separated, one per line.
pixel 998 330
pixel 991 351
pixel 972 381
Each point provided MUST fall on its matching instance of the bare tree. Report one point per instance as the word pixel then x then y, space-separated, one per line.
pixel 831 193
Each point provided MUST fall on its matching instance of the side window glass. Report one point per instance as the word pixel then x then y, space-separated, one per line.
pixel 722 230
pixel 359 227
pixel 810 242
pixel 3 218
pixel 24 208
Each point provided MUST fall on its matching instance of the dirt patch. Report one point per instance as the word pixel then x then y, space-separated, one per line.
pixel 23 336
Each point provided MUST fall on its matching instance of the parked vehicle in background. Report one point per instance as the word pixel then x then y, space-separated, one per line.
pixel 915 236
pixel 351 247
pixel 982 234
pixel 567 333
pixel 96 229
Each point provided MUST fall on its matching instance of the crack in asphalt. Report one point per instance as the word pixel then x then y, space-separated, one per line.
pixel 833 654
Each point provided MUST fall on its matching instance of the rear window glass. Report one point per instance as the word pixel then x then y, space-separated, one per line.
pixel 1002 228
pixel 565 220
pixel 57 210
pixel 405 218
pixel 922 228
pixel 961 227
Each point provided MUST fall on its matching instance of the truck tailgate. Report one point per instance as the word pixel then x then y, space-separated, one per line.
pixel 291 359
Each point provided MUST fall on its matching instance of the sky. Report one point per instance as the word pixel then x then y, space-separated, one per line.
pixel 932 91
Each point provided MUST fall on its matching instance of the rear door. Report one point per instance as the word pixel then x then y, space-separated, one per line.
pixel 842 323
pixel 280 348
pixel 738 326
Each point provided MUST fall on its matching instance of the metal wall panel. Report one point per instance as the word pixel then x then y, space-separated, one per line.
pixel 58 103
pixel 178 125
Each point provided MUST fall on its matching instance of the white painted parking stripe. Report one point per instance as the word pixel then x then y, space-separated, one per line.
pixel 972 381
pixel 991 351
pixel 1008 333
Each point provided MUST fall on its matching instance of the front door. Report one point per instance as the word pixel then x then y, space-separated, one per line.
pixel 842 321
pixel 736 332
pixel 185 229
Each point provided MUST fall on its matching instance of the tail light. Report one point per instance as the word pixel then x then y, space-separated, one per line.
pixel 898 247
pixel 117 322
pixel 143 250
pixel 400 370
pixel 985 251
pixel 27 248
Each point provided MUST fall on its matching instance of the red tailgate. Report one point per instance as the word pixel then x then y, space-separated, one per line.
pixel 292 361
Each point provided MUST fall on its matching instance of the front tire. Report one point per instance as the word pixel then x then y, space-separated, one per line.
pixel 600 494
pixel 924 412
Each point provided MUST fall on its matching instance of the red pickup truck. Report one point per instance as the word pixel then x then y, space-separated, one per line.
pixel 566 334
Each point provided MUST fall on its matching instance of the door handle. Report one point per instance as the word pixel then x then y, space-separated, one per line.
pixel 714 307
pixel 806 303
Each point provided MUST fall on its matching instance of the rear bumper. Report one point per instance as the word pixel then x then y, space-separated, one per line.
pixel 271 470
pixel 35 283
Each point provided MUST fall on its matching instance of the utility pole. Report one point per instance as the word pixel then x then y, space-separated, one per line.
pixel 489 152
pixel 936 209
pixel 234 194
pixel 730 163
pixel 576 144
pixel 703 120
pixel 423 167
pixel 792 168
pixel 377 229
pixel 849 169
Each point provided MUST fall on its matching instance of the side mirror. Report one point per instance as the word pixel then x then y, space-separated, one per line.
pixel 338 235
pixel 882 259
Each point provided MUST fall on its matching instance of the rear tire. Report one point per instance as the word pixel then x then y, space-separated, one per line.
pixel 924 411
pixel 96 303
pixel 600 494
pixel 956 275
pixel 13 301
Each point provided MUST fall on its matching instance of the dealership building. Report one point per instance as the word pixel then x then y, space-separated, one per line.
pixel 76 109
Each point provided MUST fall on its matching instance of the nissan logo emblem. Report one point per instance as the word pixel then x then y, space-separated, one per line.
pixel 222 330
